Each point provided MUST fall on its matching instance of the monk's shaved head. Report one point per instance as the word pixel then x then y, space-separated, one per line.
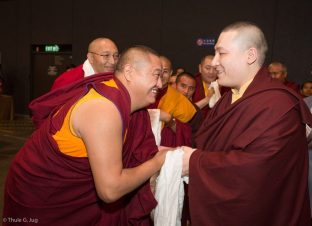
pixel 139 70
pixel 97 44
pixel 206 57
pixel 137 56
pixel 278 64
pixel 248 35
pixel 102 55
pixel 167 69
pixel 166 61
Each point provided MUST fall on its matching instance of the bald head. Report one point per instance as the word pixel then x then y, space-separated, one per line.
pixel 98 44
pixel 102 55
pixel 166 61
pixel 207 71
pixel 137 56
pixel 278 71
pixel 280 65
pixel 186 84
pixel 139 70
pixel 167 70
pixel 248 35
pixel 207 57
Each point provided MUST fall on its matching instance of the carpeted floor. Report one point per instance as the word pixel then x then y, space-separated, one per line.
pixel 13 135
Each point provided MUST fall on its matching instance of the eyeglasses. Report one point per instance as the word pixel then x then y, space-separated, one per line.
pixel 106 56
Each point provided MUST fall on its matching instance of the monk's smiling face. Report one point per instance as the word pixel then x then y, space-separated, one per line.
pixel 207 71
pixel 148 79
pixel 229 61
pixel 103 55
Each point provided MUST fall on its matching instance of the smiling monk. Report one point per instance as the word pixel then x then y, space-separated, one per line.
pixel 251 165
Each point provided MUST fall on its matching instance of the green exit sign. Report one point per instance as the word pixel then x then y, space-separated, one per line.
pixel 54 48
pixel 51 48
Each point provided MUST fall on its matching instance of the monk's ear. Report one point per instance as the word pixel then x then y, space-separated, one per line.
pixel 90 58
pixel 128 71
pixel 252 55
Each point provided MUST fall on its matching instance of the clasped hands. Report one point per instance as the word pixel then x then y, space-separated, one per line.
pixel 186 157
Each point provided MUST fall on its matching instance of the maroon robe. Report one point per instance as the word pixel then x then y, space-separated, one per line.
pixel 182 136
pixel 68 77
pixel 199 91
pixel 292 86
pixel 57 189
pixel 251 166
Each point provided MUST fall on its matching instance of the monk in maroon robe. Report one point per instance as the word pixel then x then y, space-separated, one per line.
pixel 181 134
pixel 169 137
pixel 199 93
pixel 57 189
pixel 102 57
pixel 292 85
pixel 69 77
pixel 251 165
pixel 278 71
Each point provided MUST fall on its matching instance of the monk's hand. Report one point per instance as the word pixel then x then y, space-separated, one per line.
pixel 161 155
pixel 153 182
pixel 172 124
pixel 210 92
pixel 165 116
pixel 186 159
pixel 163 148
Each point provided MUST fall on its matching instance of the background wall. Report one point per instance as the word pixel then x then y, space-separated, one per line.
pixel 170 27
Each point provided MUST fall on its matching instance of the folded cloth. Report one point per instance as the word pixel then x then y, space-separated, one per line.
pixel 156 124
pixel 87 68
pixel 170 191
pixel 216 96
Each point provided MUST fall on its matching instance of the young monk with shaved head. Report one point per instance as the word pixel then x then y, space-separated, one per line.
pixel 251 162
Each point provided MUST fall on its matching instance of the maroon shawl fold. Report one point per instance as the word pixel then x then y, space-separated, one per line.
pixel 57 189
pixel 42 107
pixel 68 77
pixel 292 86
pixel 182 136
pixel 199 91
pixel 251 167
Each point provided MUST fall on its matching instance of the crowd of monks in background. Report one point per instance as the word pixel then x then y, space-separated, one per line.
pixel 184 99
pixel 203 92
pixel 182 116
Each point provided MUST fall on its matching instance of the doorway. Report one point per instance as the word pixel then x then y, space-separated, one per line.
pixel 48 62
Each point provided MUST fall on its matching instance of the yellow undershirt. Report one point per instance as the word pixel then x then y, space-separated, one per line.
pixel 236 94
pixel 206 89
pixel 176 104
pixel 68 142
